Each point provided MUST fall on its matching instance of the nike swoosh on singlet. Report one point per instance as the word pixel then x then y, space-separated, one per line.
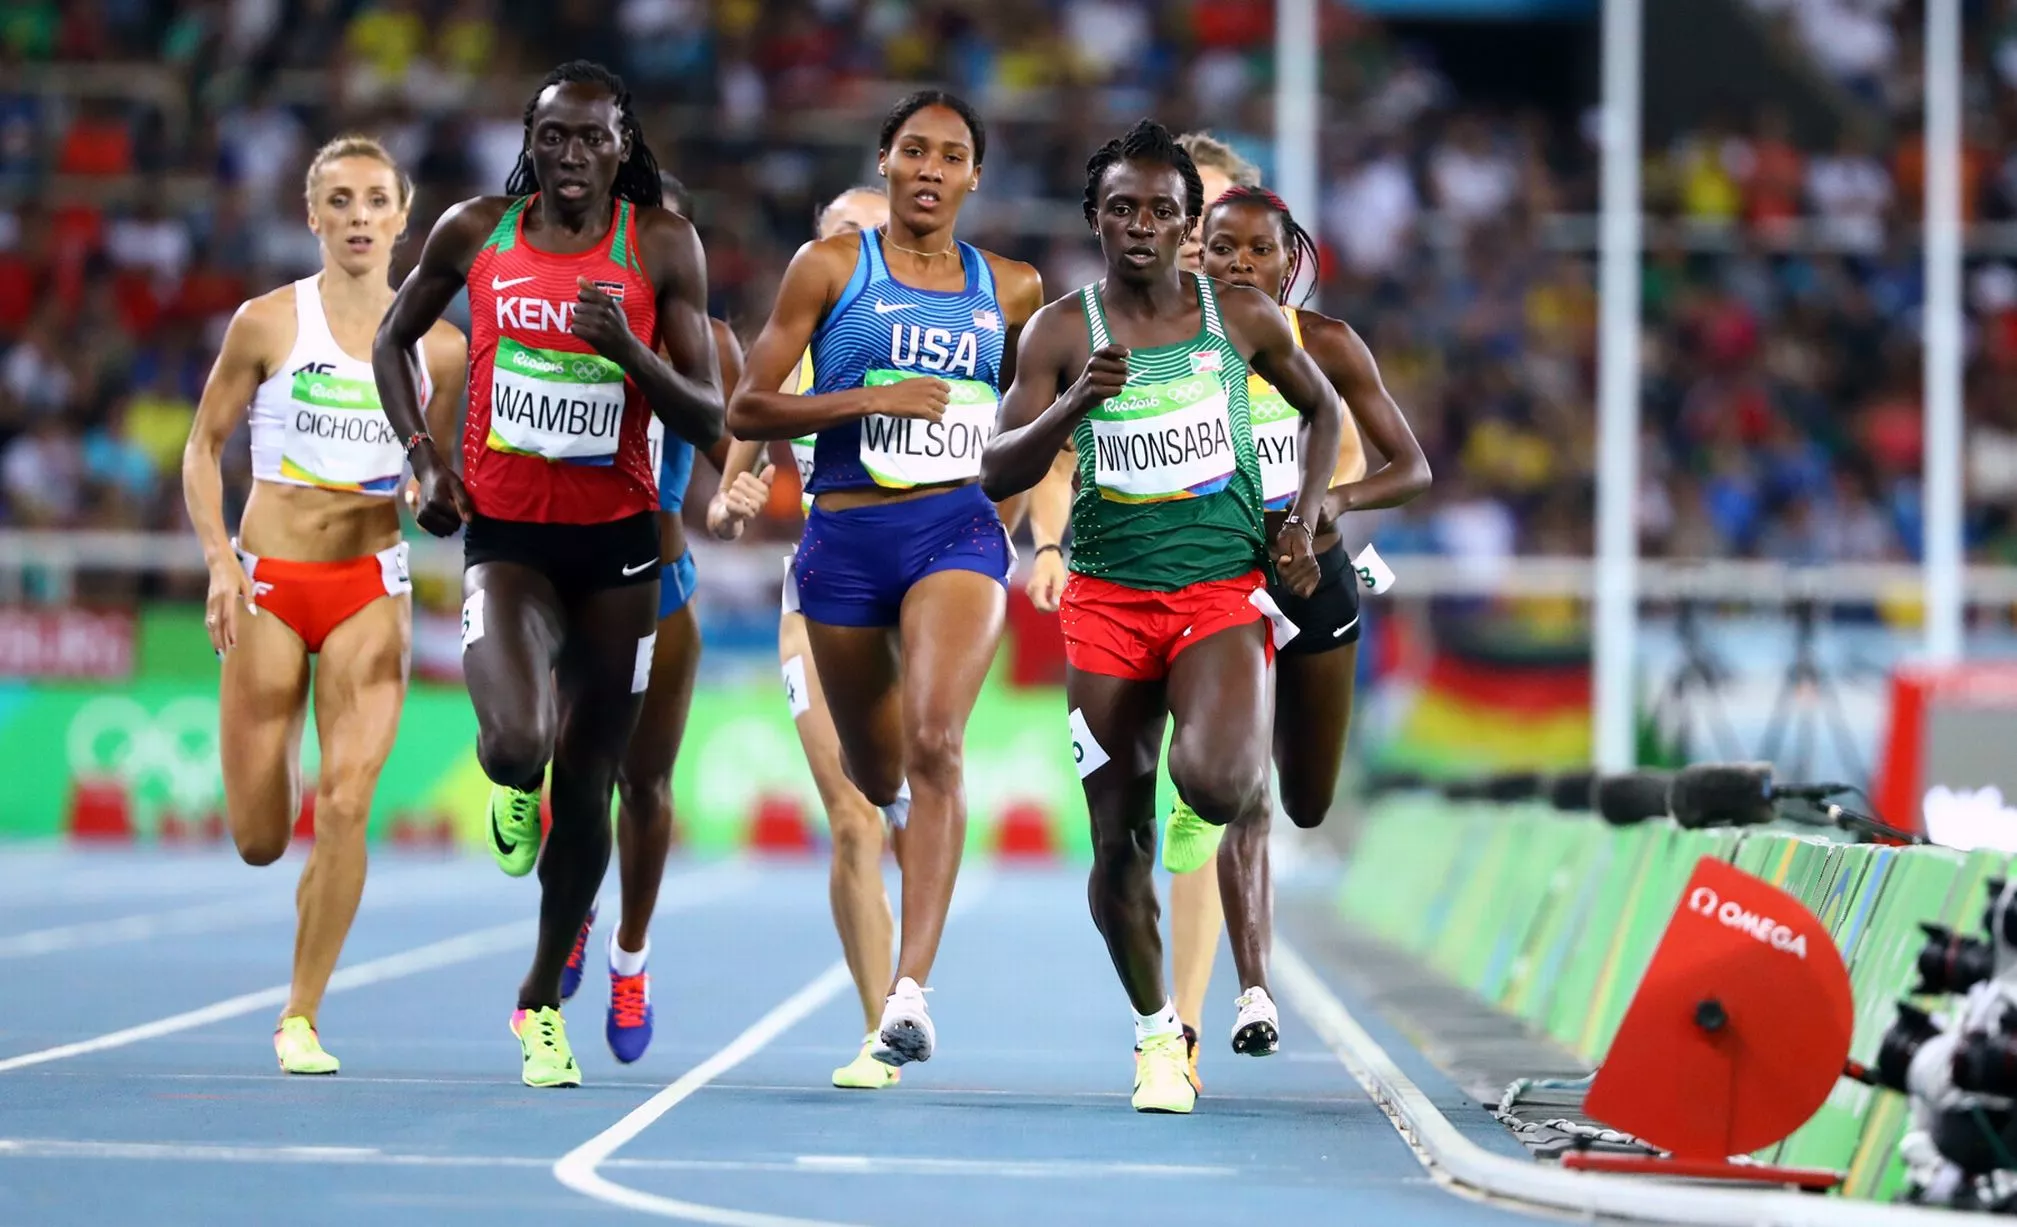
pixel 639 567
pixel 500 283
pixel 884 308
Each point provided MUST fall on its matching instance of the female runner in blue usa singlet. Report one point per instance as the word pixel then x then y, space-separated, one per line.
pixel 913 334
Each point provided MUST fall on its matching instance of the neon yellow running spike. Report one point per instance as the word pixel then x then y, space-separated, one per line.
pixel 1162 1075
pixel 865 1073
pixel 1188 840
pixel 512 833
pixel 542 1036
pixel 300 1049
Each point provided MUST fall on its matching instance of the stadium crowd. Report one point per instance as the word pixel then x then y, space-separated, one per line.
pixel 151 157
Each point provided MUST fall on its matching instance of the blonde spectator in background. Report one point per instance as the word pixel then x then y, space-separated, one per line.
pixel 318 568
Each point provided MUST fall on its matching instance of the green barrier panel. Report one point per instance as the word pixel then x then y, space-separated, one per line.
pixel 1755 852
pixel 1596 948
pixel 1429 914
pixel 1379 872
pixel 1559 918
pixel 1550 841
pixel 1469 914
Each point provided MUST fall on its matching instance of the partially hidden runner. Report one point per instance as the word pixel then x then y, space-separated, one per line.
pixel 644 780
pixel 1251 240
pixel 318 569
pixel 861 911
pixel 1144 376
pixel 575 277
pixel 903 567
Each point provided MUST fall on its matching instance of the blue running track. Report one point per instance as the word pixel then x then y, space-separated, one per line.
pixel 138 992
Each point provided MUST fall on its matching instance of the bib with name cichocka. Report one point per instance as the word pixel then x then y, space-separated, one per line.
pixel 337 437
pixel 1161 441
pixel 903 452
pixel 1277 442
pixel 559 406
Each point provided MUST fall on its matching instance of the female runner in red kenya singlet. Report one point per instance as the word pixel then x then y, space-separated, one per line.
pixel 572 277
pixel 318 568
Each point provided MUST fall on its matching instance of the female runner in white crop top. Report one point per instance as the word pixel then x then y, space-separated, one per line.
pixel 319 567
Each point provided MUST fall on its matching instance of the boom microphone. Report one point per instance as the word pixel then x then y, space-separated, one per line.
pixel 1742 794
pixel 1632 797
pixel 1574 790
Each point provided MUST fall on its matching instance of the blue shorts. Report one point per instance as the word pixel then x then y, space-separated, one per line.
pixel 855 566
pixel 676 585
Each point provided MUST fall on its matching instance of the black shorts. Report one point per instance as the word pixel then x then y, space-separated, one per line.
pixel 1329 617
pixel 576 558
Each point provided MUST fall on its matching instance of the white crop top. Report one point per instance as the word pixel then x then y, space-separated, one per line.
pixel 317 422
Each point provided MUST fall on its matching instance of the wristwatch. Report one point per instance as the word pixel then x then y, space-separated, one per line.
pixel 1299 522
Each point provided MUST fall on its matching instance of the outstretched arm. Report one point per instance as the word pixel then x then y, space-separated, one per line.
pixel 1039 412
pixel 1346 361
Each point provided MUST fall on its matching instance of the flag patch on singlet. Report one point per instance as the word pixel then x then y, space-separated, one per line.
pixel 987 319
pixel 1204 360
pixel 612 288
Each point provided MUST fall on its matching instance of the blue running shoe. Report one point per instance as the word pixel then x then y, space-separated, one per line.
pixel 629 1028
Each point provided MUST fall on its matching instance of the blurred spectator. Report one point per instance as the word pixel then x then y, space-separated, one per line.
pixel 1851 192
pixel 1474 181
pixel 42 471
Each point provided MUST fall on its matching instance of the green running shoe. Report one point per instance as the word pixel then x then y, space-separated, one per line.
pixel 512 834
pixel 1188 840
pixel 542 1035
pixel 1162 1075
pixel 300 1049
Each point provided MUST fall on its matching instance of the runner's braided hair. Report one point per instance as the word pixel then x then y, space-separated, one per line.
pixel 636 178
pixel 1147 141
pixel 1303 250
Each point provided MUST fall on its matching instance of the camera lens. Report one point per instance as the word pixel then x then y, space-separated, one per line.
pixel 1952 964
pixel 1986 1064
pixel 1906 1036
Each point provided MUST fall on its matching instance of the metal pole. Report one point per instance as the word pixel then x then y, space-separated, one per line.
pixel 1297 106
pixel 1617 581
pixel 1942 391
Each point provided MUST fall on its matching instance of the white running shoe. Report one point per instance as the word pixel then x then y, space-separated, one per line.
pixel 906 1033
pixel 1257 1030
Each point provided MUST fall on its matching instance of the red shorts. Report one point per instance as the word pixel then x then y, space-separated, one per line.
pixel 314 598
pixel 1135 634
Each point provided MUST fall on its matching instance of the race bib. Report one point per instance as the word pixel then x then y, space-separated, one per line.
pixel 337 437
pixel 903 452
pixel 1162 441
pixel 1277 441
pixel 801 455
pixel 654 440
pixel 558 406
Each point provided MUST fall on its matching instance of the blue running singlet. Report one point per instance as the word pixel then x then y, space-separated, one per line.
pixel 881 331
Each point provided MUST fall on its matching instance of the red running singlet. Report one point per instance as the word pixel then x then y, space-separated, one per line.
pixel 555 433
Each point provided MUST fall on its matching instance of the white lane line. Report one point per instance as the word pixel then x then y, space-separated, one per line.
pixel 805 1165
pixel 577 1168
pixel 401 891
pixel 703 889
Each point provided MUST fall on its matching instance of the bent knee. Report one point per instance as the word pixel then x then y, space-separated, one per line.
pixel 936 752
pixel 1308 809
pixel 857 830
pixel 644 797
pixel 1221 792
pixel 514 754
pixel 1124 851
pixel 261 847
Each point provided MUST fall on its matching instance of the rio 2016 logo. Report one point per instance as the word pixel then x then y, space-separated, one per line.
pixel 167 756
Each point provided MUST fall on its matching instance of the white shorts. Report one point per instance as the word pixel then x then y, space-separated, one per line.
pixel 790 585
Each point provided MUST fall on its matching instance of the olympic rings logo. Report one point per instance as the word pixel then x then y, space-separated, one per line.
pixel 173 751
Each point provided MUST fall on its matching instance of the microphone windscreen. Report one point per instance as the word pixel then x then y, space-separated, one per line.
pixel 1632 797
pixel 1513 786
pixel 1722 795
pixel 1572 790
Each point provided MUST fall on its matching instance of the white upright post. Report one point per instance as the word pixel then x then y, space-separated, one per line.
pixel 1297 107
pixel 1943 475
pixel 1617 578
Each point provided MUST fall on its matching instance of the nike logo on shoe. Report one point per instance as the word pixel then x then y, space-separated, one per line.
pixel 628 571
pixel 504 845
pixel 498 283
pixel 884 308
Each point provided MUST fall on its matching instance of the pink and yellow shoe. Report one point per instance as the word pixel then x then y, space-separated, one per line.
pixel 577 959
